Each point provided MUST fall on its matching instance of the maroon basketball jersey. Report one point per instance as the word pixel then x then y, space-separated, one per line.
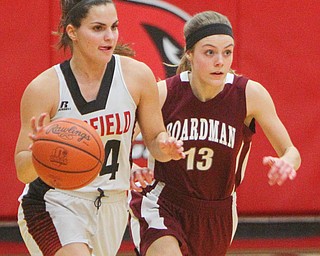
pixel 216 141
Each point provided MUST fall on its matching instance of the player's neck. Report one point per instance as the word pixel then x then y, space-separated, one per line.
pixel 86 69
pixel 205 91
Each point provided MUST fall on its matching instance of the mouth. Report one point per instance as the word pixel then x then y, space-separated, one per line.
pixel 105 48
pixel 217 73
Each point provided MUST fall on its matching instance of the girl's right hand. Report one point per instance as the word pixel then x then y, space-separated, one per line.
pixel 36 127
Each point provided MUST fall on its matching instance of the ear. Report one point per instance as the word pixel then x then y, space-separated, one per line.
pixel 71 31
pixel 189 55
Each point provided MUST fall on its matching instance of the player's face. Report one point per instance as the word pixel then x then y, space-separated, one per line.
pixel 97 36
pixel 212 58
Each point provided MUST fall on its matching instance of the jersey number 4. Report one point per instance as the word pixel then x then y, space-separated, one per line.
pixel 111 165
pixel 204 164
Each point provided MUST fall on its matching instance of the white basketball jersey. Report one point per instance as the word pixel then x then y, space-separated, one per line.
pixel 112 114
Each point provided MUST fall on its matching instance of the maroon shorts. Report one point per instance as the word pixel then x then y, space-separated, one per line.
pixel 202 227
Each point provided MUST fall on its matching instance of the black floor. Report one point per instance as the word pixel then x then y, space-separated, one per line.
pixel 248 228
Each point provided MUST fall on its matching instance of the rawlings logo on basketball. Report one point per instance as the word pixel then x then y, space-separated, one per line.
pixel 68 133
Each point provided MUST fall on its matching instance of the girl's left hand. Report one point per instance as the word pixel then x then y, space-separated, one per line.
pixel 140 177
pixel 280 170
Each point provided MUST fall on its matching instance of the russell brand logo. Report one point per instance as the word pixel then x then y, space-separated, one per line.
pixel 64 106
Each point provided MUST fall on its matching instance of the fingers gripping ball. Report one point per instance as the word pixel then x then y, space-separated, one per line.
pixel 67 153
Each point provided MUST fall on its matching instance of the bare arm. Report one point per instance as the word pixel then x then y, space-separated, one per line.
pixel 144 90
pixel 261 107
pixel 37 99
pixel 142 176
pixel 162 89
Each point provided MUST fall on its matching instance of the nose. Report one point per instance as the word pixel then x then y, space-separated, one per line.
pixel 219 60
pixel 108 35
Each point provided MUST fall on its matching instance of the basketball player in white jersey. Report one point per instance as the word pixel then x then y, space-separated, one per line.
pixel 110 92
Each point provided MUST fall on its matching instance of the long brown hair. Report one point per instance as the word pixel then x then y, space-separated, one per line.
pixel 73 12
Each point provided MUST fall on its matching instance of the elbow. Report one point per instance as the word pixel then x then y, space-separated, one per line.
pixel 21 178
pixel 24 178
pixel 21 175
pixel 294 154
pixel 298 164
pixel 24 168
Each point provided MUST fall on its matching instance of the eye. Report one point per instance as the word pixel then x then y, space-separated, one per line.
pixel 97 28
pixel 209 52
pixel 114 26
pixel 227 52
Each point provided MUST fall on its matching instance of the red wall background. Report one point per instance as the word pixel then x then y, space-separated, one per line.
pixel 277 44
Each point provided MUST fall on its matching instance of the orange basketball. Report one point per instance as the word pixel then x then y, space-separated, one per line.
pixel 68 154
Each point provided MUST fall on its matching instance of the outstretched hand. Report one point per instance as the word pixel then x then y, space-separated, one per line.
pixel 36 127
pixel 140 177
pixel 173 148
pixel 280 170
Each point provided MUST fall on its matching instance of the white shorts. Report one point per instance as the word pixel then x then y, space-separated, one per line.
pixel 60 219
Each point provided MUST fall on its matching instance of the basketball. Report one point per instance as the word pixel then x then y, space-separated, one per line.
pixel 67 154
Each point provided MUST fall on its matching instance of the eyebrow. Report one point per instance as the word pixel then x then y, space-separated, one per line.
pixel 216 46
pixel 103 24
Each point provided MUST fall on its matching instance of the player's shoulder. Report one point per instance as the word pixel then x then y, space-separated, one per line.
pixel 131 63
pixel 45 78
pixel 256 92
pixel 136 70
pixel 255 87
pixel 178 81
pixel 44 83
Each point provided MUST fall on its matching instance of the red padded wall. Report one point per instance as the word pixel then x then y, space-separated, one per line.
pixel 24 54
pixel 277 44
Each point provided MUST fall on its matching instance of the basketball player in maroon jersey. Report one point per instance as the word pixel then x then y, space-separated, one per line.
pixel 190 209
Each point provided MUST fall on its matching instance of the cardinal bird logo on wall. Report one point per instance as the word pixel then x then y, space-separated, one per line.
pixel 154 29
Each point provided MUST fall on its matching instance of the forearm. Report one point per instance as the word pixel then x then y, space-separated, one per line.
pixel 24 167
pixel 155 147
pixel 292 156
